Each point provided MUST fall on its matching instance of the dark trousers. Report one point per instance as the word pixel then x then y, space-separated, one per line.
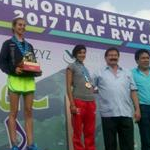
pixel 144 127
pixel 121 126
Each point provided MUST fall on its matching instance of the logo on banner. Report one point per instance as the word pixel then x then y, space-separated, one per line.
pixel 20 132
pixel 67 57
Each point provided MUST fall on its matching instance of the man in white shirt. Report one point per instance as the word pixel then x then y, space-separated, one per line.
pixel 117 92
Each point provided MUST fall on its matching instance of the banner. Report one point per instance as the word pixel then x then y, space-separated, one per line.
pixel 67 23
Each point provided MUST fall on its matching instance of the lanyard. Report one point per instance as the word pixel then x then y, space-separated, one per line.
pixel 85 73
pixel 23 49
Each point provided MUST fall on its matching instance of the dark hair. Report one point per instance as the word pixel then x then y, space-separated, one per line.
pixel 112 49
pixel 14 22
pixel 139 52
pixel 76 49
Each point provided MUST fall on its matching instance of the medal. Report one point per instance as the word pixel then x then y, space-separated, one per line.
pixel 87 77
pixel 88 85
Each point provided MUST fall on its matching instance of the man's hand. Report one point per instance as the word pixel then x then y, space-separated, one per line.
pixel 137 115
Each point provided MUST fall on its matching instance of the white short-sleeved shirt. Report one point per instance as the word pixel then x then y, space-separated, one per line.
pixel 115 92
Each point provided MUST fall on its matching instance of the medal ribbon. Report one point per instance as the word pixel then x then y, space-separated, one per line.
pixel 86 74
pixel 23 49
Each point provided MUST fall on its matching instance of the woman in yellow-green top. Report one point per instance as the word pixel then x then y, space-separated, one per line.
pixel 19 82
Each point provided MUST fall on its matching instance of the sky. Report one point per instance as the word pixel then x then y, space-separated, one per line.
pixel 135 8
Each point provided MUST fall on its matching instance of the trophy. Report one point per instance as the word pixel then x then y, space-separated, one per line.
pixel 29 63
